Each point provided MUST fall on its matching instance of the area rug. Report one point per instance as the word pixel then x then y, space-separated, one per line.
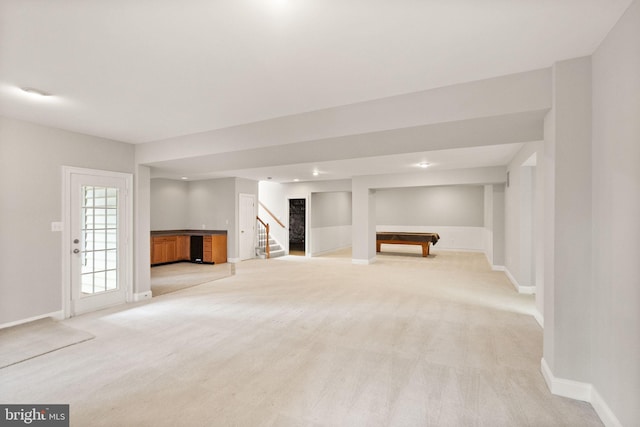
pixel 33 339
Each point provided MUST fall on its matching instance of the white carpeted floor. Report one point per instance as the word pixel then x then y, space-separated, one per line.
pixel 294 341
pixel 174 277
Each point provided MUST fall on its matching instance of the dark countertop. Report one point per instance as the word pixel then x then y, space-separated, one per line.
pixel 187 232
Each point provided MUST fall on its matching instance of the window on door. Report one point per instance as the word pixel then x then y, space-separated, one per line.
pixel 100 238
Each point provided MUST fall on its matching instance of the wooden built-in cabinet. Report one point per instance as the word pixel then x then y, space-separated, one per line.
pixel 164 249
pixel 214 248
pixel 174 248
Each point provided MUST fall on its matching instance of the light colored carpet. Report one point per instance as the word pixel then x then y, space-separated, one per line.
pixel 294 341
pixel 174 277
pixel 24 342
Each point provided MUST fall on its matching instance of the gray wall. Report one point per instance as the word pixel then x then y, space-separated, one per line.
pixel 438 206
pixel 169 204
pixel 498 213
pixel 330 209
pixel 615 308
pixel 209 204
pixel 522 213
pixel 31 157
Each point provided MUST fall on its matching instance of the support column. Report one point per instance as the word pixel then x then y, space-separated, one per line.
pixel 363 223
pixel 568 224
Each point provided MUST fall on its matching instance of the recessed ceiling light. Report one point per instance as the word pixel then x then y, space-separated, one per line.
pixel 185 177
pixel 296 180
pixel 34 91
pixel 316 173
pixel 423 165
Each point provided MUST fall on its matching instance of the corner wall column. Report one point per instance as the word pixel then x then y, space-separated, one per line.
pixel 568 221
pixel 142 233
pixel 364 223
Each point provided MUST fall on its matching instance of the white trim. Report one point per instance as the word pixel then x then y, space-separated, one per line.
pixel 513 280
pixel 58 315
pixel 567 388
pixel 539 318
pixel 605 413
pixel 328 251
pixel 234 260
pixel 67 171
pixel 363 261
pixel 498 268
pixel 526 290
pixel 580 391
pixel 142 296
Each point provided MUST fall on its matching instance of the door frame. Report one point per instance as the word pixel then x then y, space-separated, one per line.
pixel 254 214
pixel 307 217
pixel 67 171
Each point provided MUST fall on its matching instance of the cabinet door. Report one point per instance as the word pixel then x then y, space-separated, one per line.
pixel 171 246
pixel 158 251
pixel 219 248
pixel 183 248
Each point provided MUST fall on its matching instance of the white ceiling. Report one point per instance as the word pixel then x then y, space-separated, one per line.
pixel 146 70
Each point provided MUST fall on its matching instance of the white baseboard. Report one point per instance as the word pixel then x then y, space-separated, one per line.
pixel 363 261
pixel 57 315
pixel 605 413
pixel 580 391
pixel 527 290
pixel 512 279
pixel 234 260
pixel 498 268
pixel 142 296
pixel 566 388
pixel 539 318
pixel 328 251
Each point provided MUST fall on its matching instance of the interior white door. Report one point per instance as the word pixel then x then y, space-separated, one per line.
pixel 247 211
pixel 99 246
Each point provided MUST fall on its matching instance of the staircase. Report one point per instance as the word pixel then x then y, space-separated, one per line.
pixel 275 250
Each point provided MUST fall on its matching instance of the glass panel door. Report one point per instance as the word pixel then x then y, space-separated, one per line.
pixel 98 247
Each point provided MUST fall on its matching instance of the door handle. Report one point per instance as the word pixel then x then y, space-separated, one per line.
pixel 76 251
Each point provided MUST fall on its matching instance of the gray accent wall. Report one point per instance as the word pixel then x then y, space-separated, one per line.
pixel 169 204
pixel 456 205
pixel 31 161
pixel 330 209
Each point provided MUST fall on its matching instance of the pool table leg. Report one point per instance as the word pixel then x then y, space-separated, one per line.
pixel 425 249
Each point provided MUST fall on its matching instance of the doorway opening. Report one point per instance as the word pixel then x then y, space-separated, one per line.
pixel 297 226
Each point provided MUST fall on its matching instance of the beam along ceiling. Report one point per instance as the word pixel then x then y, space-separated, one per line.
pixel 143 71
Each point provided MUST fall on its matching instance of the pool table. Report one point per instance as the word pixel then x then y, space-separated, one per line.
pixel 404 238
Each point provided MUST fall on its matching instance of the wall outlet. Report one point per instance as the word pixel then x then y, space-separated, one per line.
pixel 57 226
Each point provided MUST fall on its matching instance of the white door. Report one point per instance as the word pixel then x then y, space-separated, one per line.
pixel 99 244
pixel 247 222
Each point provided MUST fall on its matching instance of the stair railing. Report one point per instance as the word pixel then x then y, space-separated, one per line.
pixel 272 215
pixel 263 241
